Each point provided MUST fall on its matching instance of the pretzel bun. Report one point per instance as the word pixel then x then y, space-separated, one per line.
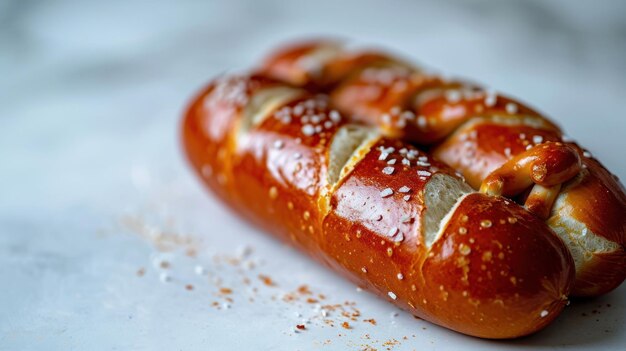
pixel 377 210
pixel 492 140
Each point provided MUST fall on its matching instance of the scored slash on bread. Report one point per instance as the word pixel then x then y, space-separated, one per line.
pixel 483 135
pixel 375 209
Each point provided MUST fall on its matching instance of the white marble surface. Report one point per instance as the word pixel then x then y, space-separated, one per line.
pixel 91 172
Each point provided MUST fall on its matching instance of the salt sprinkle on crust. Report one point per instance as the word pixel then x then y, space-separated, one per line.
pixel 543 313
pixel 511 108
pixel 386 192
pixel 404 189
pixel 392 295
pixel 388 170
pixel 308 130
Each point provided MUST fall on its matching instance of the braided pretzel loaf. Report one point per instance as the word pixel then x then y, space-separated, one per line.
pixel 499 145
pixel 376 209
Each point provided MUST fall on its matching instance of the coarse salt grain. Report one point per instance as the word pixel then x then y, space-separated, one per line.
pixel 511 108
pixel 386 192
pixel 491 98
pixel 392 295
pixel 404 189
pixel 164 277
pixel 278 144
pixel 422 122
pixel 308 130
pixel 388 170
pixel 543 313
pixel 453 96
pixel 199 270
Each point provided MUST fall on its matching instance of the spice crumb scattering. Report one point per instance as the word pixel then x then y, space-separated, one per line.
pixel 228 280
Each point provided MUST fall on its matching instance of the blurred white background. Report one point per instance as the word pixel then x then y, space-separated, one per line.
pixel 91 94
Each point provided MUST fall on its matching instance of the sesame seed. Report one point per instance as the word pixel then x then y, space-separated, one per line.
pixel 392 295
pixel 404 189
pixel 278 144
pixel 400 276
pixel 543 313
pixel 485 223
pixel 511 108
pixel 388 170
pixel 462 230
pixel 537 139
pixel 308 130
pixel 328 124
pixel 386 192
pixel 363 269
pixel 507 152
pixel 529 146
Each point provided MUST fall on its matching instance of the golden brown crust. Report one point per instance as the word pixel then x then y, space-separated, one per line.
pixel 481 134
pixel 371 228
